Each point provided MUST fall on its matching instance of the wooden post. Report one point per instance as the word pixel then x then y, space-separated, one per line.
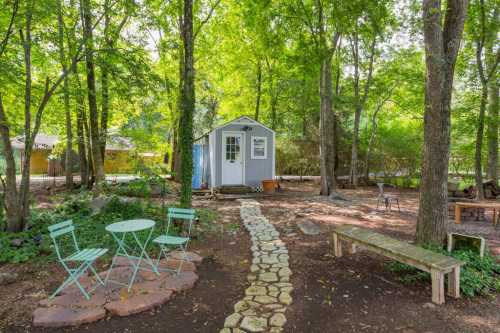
pixel 351 249
pixel 337 247
pixel 454 282
pixel 437 278
pixel 458 214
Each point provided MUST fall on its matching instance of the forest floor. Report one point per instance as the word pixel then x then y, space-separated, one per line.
pixel 357 293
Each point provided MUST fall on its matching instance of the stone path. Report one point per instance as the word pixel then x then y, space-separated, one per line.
pixel 266 299
pixel 149 291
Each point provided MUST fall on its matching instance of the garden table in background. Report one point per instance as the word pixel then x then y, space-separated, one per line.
pixel 135 250
pixel 491 205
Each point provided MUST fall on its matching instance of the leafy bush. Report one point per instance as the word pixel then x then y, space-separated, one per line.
pixel 478 277
pixel 135 188
pixel 121 209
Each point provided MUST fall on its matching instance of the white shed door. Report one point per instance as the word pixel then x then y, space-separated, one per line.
pixel 232 158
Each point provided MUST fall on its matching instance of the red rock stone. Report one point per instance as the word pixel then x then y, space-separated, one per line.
pixel 60 316
pixel 75 301
pixel 192 256
pixel 173 264
pixel 138 303
pixel 152 276
pixel 183 281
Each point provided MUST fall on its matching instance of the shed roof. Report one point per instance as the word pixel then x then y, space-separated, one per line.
pixel 47 142
pixel 42 141
pixel 243 120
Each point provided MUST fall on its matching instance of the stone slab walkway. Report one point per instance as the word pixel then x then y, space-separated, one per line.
pixel 70 308
pixel 266 299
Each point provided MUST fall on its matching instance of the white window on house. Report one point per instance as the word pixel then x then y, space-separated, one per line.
pixel 259 147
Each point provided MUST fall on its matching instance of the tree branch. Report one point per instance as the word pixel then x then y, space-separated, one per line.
pixel 204 21
pixel 5 40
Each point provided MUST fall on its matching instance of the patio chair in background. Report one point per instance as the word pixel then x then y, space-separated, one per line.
pixel 84 258
pixel 168 241
pixel 387 199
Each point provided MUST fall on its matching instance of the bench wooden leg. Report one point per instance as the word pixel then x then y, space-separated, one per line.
pixel 337 247
pixel 437 278
pixel 454 283
pixel 351 249
pixel 458 214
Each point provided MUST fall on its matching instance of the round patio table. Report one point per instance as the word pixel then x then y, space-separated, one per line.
pixel 119 231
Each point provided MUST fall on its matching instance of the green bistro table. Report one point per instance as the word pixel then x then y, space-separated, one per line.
pixel 135 250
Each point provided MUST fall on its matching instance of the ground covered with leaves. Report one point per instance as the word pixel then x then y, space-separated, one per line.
pixel 357 293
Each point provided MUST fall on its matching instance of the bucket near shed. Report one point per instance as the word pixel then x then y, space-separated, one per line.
pixel 269 186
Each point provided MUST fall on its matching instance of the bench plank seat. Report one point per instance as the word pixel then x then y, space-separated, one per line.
pixel 435 263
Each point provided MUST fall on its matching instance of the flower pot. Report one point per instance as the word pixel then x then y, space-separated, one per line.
pixel 269 186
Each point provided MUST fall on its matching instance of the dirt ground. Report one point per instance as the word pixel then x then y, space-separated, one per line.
pixel 356 293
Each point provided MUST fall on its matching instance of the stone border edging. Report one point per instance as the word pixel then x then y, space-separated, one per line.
pixel 266 299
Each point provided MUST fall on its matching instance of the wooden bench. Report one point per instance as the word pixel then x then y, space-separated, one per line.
pixel 434 263
pixel 485 205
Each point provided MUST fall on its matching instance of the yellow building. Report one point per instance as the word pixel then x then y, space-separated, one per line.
pixel 120 155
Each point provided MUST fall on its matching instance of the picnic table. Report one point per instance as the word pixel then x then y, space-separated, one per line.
pixel 135 251
pixel 484 205
pixel 429 261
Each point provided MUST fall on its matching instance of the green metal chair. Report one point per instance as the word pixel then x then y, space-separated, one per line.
pixel 167 241
pixel 84 258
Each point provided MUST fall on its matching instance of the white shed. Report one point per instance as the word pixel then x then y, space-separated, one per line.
pixel 240 152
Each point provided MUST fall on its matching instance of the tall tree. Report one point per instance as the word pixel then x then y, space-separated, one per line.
pixel 442 39
pixel 484 36
pixel 16 201
pixel 187 105
pixel 97 161
pixel 68 165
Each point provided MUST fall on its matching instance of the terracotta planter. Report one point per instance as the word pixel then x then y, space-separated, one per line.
pixel 269 186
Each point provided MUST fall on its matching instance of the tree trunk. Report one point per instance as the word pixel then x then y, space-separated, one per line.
pixel 493 121
pixel 478 169
pixel 68 165
pixel 103 133
pixel 441 48
pixel 326 126
pixel 188 104
pixel 176 149
pixel 259 90
pixel 97 160
pixel 12 209
pixel 80 128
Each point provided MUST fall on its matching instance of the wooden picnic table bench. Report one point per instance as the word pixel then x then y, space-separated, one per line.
pixel 485 205
pixel 434 263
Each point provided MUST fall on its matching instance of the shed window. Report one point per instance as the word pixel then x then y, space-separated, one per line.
pixel 259 147
pixel 232 148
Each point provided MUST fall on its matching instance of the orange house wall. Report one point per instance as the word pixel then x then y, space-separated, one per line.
pixel 39 162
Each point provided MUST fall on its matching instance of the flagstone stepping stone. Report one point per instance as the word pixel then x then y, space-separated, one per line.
pixel 75 301
pixel 149 290
pixel 254 324
pixel 278 319
pixel 268 277
pixel 265 301
pixel 183 281
pixel 173 264
pixel 233 320
pixel 60 316
pixel 193 257
pixel 138 303
pixel 309 228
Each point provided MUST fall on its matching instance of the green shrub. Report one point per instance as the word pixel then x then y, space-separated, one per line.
pixel 121 209
pixel 135 188
pixel 478 277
